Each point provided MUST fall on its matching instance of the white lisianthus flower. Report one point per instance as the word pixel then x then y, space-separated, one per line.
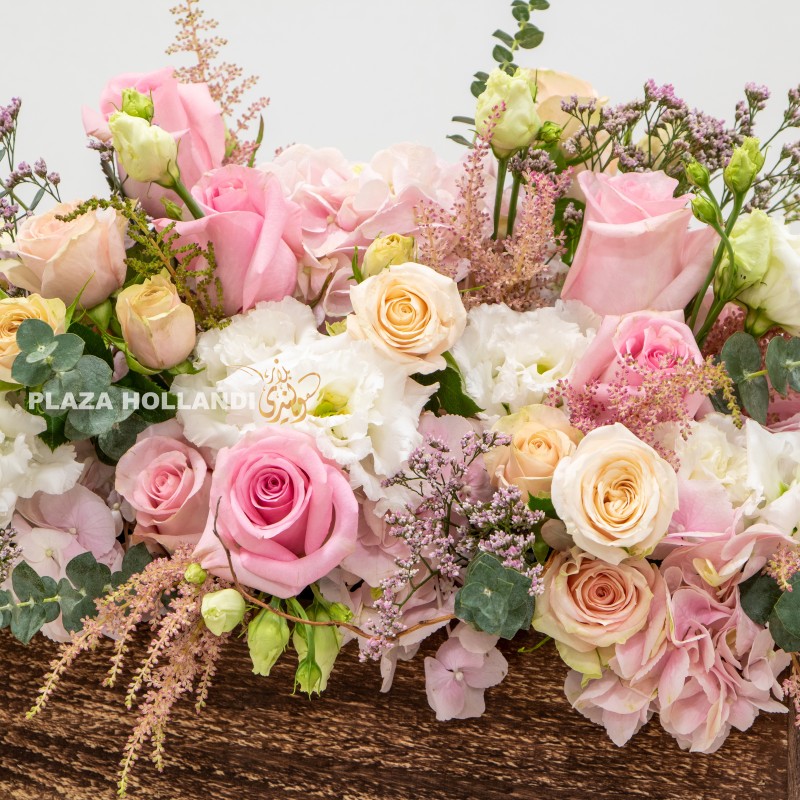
pixel 511 359
pixel 773 475
pixel 715 451
pixel 362 411
pixel 774 299
pixel 147 152
pixel 27 465
pixel 615 494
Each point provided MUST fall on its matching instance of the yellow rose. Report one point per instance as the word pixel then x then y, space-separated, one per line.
pixel 615 494
pixel 13 312
pixel 385 251
pixel 157 326
pixel 411 313
pixel 540 437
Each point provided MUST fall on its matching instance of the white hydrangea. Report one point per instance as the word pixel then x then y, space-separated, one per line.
pixel 362 411
pixel 27 465
pixel 511 359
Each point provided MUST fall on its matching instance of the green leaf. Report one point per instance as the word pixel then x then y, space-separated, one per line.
pixel 52 609
pixel 529 37
pixel 135 560
pixel 22 371
pixel 54 435
pixel 121 437
pixel 144 385
pixel 459 139
pixel 450 396
pixel 504 38
pixel 465 120
pixel 542 503
pixel 27 621
pixel 502 55
pixel 58 388
pixel 96 373
pixel 69 349
pixel 754 394
pixel 495 599
pixel 521 13
pixel 34 334
pixel 784 638
pixel 26 583
pixel 741 355
pixel 85 573
pixel 6 605
pixel 93 344
pixel 477 88
pixel 539 5
pixel 37 198
pixel 783 363
pixel 758 596
pixel 75 605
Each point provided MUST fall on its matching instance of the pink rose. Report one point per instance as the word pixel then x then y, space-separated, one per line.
pixel 255 231
pixel 636 251
pixel 589 604
pixel 287 515
pixel 185 110
pixel 167 483
pixel 654 340
pixel 59 259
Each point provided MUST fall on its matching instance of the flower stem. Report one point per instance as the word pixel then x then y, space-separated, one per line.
pixel 512 206
pixel 182 192
pixel 502 168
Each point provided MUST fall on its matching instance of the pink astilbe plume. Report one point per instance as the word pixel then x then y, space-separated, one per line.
pixel 645 399
pixel 180 659
pixel 226 81
pixel 784 565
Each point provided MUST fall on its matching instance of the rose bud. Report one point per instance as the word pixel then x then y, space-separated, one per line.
pixel 157 326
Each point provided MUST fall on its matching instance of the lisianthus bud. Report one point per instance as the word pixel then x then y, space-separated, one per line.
pixel 137 104
pixel 223 610
pixel 195 574
pixel 308 677
pixel 172 210
pixel 697 174
pixel 550 133
pixel 327 642
pixel 704 210
pixel 385 251
pixel 518 124
pixel 148 153
pixel 746 162
pixel 157 326
pixel 267 637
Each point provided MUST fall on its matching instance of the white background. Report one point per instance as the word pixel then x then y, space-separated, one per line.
pixel 362 74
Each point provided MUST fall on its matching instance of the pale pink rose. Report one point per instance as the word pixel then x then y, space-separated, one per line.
pixel 287 515
pixel 540 437
pixel 653 340
pixel 588 604
pixel 167 483
pixel 255 231
pixel 59 259
pixel 456 679
pixel 636 251
pixel 185 110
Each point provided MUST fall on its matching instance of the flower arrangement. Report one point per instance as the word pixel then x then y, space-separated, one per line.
pixel 319 404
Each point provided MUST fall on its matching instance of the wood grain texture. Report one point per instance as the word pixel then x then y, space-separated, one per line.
pixel 256 740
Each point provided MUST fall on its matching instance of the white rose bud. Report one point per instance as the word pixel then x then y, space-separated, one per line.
pixel 148 153
pixel 517 126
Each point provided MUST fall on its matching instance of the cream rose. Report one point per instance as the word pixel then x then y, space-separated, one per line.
pixel 411 313
pixel 158 327
pixel 588 604
pixel 540 437
pixel 59 259
pixel 615 494
pixel 13 312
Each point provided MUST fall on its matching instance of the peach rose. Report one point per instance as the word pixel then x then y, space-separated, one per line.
pixel 615 494
pixel 589 604
pixel 540 437
pixel 158 327
pixel 411 313
pixel 13 312
pixel 56 258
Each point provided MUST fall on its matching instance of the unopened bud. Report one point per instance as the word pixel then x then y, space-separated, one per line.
pixel 195 574
pixel 137 104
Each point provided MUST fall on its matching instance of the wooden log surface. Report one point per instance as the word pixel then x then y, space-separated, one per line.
pixel 256 740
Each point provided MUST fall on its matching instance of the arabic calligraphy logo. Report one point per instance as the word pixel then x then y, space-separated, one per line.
pixel 282 399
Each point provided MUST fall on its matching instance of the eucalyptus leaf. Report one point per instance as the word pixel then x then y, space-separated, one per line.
pixel 529 37
pixel 134 561
pixel 26 583
pixel 27 374
pixel 95 372
pixel 68 350
pixel 33 334
pixel 758 596
pixel 121 437
pixel 85 573
pixel 783 363
pixel 502 55
pixel 75 606
pixel 27 621
pixel 742 356
pixel 6 605
pixel 504 38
